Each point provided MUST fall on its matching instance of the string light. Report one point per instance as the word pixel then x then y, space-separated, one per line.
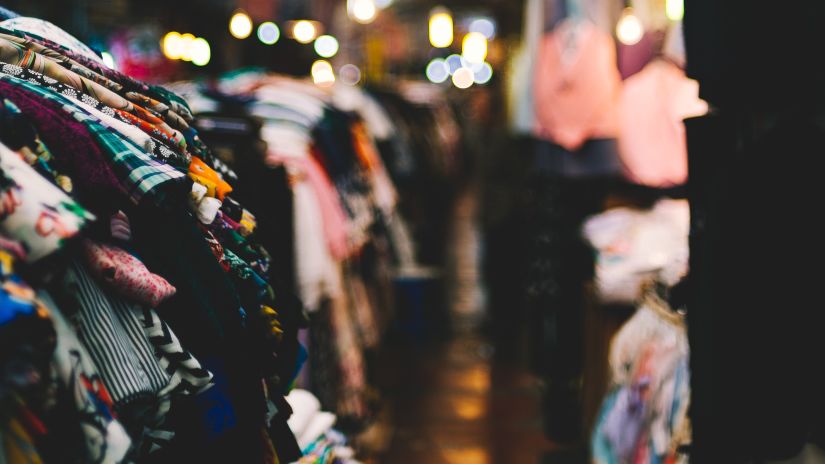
pixel 304 31
pixel 441 28
pixel 240 25
pixel 474 47
pixel 268 33
pixel 326 46
pixel 629 29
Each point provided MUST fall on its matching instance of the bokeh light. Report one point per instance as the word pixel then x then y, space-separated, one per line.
pixel 268 33
pixel 326 46
pixel 349 74
pixel 483 74
pixel 474 47
pixel 454 62
pixel 441 28
pixel 186 42
pixel 437 71
pixel 108 60
pixel 201 52
pixel 304 31
pixel 675 9
pixel 240 25
pixel 484 26
pixel 322 73
pixel 463 78
pixel 629 29
pixel 171 46
pixel 363 11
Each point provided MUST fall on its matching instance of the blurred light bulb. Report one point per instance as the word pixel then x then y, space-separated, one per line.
pixel 171 46
pixel 474 67
pixel 629 29
pixel 441 28
pixel 463 78
pixel 349 74
pixel 108 60
pixel 201 52
pixel 454 63
pixel 363 11
pixel 304 31
pixel 240 25
pixel 437 71
pixel 326 46
pixel 474 47
pixel 675 9
pixel 186 41
pixel 322 73
pixel 268 33
pixel 483 26
pixel 483 74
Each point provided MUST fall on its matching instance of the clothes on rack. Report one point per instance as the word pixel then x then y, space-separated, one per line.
pixel 652 143
pixel 644 416
pixel 173 277
pixel 641 255
pixel 338 183
pixel 576 85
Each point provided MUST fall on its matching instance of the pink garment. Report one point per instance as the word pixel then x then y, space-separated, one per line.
pixel 125 274
pixel 652 143
pixel 335 220
pixel 576 86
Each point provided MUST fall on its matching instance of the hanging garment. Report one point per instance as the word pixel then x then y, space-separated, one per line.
pixel 643 419
pixel 111 330
pixel 125 274
pixel 35 212
pixel 75 151
pixel 576 85
pixel 652 142
pixel 47 30
pixel 105 439
pixel 141 174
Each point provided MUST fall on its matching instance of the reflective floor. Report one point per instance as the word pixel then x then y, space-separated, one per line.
pixel 456 400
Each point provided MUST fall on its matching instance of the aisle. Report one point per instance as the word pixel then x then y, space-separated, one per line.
pixel 454 401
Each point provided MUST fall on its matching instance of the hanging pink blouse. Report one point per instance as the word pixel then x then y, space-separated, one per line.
pixel 652 143
pixel 576 85
pixel 334 217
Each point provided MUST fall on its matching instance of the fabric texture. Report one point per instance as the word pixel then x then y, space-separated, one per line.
pixel 35 212
pixel 139 172
pixel 111 330
pixel 125 274
pixel 47 30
